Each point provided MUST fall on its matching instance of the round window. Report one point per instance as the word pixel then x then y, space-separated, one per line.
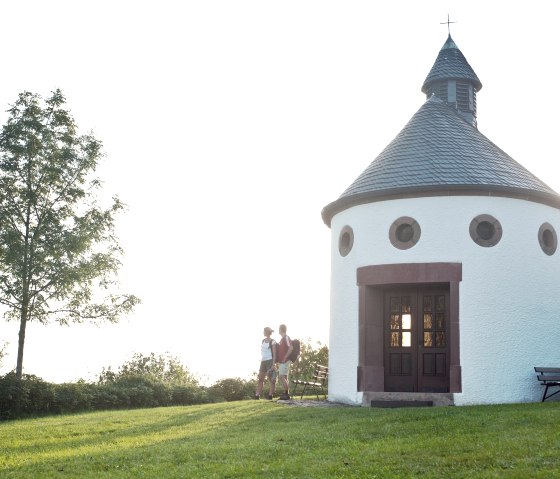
pixel 485 230
pixel 548 239
pixel 404 233
pixel 345 240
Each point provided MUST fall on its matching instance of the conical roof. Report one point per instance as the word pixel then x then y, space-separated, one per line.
pixel 439 153
pixel 451 64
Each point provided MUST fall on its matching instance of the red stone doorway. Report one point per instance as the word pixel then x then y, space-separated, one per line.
pixel 377 370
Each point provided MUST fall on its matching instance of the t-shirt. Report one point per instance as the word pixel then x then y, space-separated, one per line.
pixel 266 350
pixel 283 347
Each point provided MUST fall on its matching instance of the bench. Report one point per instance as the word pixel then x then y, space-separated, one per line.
pixel 317 381
pixel 549 377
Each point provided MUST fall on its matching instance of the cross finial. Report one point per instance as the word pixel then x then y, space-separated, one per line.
pixel 448 22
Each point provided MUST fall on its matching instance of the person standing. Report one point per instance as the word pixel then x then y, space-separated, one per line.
pixel 284 350
pixel 267 368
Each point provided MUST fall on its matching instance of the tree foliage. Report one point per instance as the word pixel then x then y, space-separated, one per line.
pixel 58 250
pixel 161 368
pixel 311 354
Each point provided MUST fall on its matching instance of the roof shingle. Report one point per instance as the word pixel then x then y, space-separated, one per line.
pixel 451 64
pixel 438 152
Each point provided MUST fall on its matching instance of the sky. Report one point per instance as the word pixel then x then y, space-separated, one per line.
pixel 228 125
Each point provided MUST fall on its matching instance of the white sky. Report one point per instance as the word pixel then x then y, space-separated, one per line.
pixel 228 125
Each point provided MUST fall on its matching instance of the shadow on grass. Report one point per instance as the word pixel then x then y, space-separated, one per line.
pixel 248 439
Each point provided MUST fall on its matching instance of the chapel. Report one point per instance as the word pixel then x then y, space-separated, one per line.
pixel 444 262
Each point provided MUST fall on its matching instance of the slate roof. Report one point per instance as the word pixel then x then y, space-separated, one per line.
pixel 451 64
pixel 439 153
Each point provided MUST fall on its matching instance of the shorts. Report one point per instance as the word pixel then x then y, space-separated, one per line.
pixel 265 366
pixel 271 374
pixel 284 368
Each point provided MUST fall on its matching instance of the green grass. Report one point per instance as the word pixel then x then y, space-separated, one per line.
pixel 263 439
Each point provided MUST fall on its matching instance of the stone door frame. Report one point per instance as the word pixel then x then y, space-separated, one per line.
pixel 372 281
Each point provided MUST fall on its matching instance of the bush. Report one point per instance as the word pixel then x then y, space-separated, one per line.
pixel 231 389
pixel 188 395
pixel 70 397
pixel 108 396
pixel 143 382
pixel 34 397
pixel 29 396
pixel 137 391
pixel 9 396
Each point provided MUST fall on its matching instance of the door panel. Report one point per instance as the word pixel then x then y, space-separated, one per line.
pixel 433 328
pixel 400 350
pixel 416 342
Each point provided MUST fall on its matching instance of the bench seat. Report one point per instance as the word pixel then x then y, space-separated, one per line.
pixel 550 378
pixel 317 382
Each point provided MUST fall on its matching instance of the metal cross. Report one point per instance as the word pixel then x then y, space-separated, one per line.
pixel 448 22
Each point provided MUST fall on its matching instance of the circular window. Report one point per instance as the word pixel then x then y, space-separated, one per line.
pixel 548 239
pixel 345 240
pixel 485 230
pixel 404 233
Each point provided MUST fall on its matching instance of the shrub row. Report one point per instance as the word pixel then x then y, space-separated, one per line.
pixel 31 396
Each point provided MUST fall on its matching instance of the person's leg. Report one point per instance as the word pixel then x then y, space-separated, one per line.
pixel 260 385
pixel 284 384
pixel 284 372
pixel 262 374
pixel 272 388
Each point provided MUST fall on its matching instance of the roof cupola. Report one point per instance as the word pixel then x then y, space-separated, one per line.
pixel 454 81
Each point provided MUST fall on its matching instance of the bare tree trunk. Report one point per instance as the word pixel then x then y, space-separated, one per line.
pixel 21 343
pixel 24 313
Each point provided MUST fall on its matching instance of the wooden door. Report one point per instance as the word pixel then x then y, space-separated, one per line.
pixel 416 339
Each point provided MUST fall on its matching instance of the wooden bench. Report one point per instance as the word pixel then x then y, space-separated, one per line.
pixel 317 382
pixel 549 377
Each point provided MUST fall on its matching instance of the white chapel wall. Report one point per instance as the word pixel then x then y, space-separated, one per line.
pixel 509 295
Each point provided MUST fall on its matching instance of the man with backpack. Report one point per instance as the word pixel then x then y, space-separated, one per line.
pixel 285 349
pixel 268 360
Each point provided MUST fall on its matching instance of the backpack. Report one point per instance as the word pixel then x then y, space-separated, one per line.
pixel 296 350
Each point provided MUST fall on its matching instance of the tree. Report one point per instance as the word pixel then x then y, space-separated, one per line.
pixel 310 355
pixel 58 251
pixel 162 368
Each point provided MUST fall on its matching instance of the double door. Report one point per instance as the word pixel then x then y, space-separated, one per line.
pixel 416 339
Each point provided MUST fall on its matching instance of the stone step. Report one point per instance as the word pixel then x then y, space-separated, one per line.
pixel 397 403
pixel 406 399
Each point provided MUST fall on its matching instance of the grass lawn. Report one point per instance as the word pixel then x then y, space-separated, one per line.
pixel 265 439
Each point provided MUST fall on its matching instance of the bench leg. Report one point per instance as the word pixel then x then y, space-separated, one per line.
pixel 550 395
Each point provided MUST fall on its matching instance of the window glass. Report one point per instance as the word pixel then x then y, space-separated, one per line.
pixel 485 230
pixel 404 232
pixel 548 239
pixel 345 240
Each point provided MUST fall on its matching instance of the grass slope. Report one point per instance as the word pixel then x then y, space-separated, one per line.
pixel 263 439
